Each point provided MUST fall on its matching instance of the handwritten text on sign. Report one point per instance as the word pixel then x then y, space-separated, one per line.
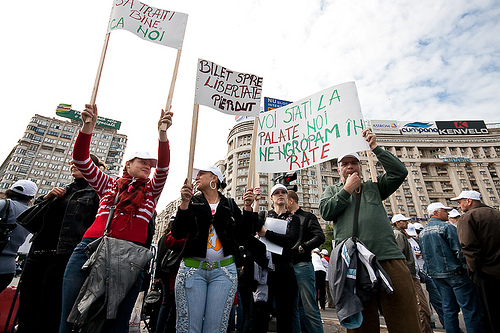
pixel 226 90
pixel 149 23
pixel 313 130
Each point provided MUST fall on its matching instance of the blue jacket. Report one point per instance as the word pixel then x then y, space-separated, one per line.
pixel 441 250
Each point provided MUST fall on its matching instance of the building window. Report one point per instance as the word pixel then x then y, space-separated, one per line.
pixel 66 136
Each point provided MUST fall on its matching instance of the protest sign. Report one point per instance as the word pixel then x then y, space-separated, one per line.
pixel 278 226
pixel 156 25
pixel 315 129
pixel 227 91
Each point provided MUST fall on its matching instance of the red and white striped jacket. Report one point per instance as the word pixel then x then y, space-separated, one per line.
pixel 106 187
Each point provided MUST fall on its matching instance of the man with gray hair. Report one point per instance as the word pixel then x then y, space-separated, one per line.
pixel 446 265
pixel 479 234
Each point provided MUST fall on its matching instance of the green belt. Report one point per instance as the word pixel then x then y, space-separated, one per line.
pixel 208 265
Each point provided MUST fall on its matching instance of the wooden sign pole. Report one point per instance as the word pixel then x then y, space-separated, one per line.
pixel 194 129
pixel 172 86
pixel 373 171
pixel 98 75
pixel 251 167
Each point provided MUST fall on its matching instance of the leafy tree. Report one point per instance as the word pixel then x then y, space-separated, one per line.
pixel 328 238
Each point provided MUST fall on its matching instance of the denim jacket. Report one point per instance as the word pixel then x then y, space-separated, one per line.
pixel 441 250
pixel 79 213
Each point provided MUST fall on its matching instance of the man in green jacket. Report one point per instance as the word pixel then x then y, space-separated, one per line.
pixel 338 203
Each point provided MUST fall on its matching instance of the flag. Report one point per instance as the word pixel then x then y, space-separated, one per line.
pixel 156 25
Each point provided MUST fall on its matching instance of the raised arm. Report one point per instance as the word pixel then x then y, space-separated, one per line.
pixel 81 153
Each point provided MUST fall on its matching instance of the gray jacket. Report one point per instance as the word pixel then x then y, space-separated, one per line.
pixel 354 273
pixel 114 268
pixel 17 237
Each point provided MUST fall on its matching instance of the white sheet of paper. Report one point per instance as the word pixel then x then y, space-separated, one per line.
pixel 278 226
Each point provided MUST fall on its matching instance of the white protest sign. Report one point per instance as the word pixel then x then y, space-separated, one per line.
pixel 315 129
pixel 227 91
pixel 156 25
pixel 278 226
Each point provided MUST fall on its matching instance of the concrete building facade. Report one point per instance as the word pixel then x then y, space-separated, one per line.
pixel 439 167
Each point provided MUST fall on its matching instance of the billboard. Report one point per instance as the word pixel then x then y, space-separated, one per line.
pixel 384 126
pixel 462 127
pixel 418 127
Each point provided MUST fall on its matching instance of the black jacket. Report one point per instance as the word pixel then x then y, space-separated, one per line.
pixel 194 224
pixel 67 218
pixel 310 236
pixel 287 241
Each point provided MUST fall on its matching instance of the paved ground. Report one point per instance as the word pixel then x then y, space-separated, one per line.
pixel 331 323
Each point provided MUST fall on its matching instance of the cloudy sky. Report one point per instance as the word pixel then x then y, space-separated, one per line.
pixel 411 60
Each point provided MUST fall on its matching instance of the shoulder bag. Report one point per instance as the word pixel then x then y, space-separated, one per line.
pixel 5 228
pixel 171 261
pixel 32 218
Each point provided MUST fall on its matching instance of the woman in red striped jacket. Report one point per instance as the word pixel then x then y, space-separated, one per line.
pixel 137 199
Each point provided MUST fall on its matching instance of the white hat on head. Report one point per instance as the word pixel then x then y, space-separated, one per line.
pixel 435 206
pixel 213 169
pixel 474 195
pixel 354 155
pixel 418 226
pixel 399 217
pixel 25 187
pixel 143 155
pixel 454 213
pixel 411 231
pixel 316 250
pixel 278 187
pixel 324 251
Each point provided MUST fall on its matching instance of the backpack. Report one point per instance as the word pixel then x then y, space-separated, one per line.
pixel 5 227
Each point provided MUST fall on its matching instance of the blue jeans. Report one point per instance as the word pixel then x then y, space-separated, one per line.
pixel 459 292
pixel 204 298
pixel 166 315
pixel 435 298
pixel 73 281
pixel 306 281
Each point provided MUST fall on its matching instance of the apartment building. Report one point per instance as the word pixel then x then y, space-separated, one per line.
pixel 44 151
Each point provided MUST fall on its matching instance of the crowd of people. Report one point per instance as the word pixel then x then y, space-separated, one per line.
pixel 87 263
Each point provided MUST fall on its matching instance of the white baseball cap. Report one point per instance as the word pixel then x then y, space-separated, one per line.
pixel 411 231
pixel 454 213
pixel 25 187
pixel 324 252
pixel 418 226
pixel 399 217
pixel 212 168
pixel 474 195
pixel 144 155
pixel 435 206
pixel 354 155
pixel 279 187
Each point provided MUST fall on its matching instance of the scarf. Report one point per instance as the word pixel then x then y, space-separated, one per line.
pixel 131 195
